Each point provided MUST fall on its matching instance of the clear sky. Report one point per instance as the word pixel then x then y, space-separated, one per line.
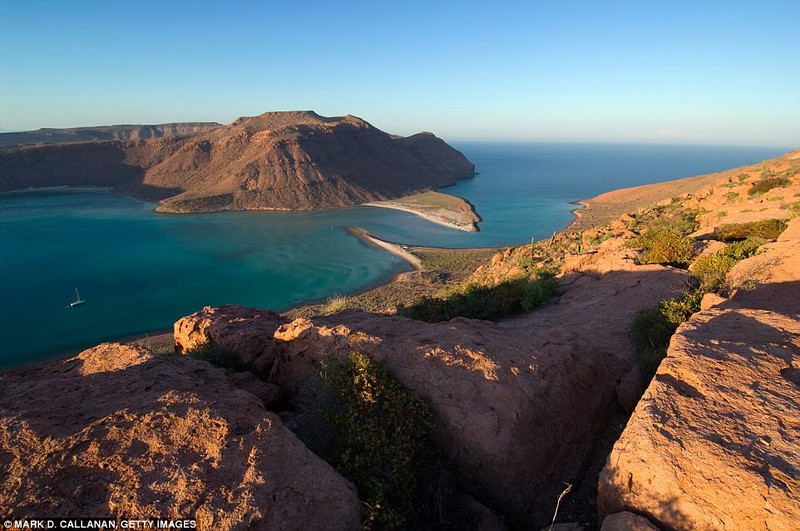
pixel 702 71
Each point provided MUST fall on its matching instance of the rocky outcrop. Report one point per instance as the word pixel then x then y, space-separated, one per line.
pixel 117 431
pixel 274 161
pixel 626 521
pixel 715 441
pixel 244 332
pixel 517 414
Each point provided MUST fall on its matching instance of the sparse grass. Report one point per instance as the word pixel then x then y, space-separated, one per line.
pixel 454 261
pixel 794 209
pixel 733 197
pixel 742 177
pixel 337 303
pixel 776 198
pixel 510 297
pixel 768 229
pixel 722 213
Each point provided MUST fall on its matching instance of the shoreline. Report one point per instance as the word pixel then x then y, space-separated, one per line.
pixel 423 215
pixel 437 207
pixel 394 248
pixel 600 207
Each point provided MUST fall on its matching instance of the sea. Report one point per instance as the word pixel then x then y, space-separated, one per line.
pixel 139 271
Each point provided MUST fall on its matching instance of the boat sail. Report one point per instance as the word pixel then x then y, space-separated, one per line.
pixel 77 300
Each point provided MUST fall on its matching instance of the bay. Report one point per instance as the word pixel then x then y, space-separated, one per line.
pixel 140 271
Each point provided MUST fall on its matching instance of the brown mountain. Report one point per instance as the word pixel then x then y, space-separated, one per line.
pixel 278 160
pixel 104 132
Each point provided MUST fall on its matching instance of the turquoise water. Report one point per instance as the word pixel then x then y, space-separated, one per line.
pixel 140 271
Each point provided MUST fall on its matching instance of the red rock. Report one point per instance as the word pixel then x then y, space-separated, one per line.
pixel 630 389
pixel 246 331
pixel 517 413
pixel 626 521
pixel 247 381
pixel 117 431
pixel 715 441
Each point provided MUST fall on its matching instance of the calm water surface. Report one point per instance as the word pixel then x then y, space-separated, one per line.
pixel 140 271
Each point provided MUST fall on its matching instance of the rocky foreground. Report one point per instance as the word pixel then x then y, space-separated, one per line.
pixel 274 161
pixel 518 407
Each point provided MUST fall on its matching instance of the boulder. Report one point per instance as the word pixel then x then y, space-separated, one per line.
pixel 715 441
pixel 630 389
pixel 626 521
pixel 117 431
pixel 247 381
pixel 245 331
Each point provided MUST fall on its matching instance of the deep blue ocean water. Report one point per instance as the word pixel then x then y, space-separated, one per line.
pixel 140 271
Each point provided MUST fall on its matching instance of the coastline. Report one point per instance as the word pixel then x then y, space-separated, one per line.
pixel 603 208
pixel 394 248
pixel 588 213
pixel 437 207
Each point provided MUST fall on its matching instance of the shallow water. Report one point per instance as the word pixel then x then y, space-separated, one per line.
pixel 140 271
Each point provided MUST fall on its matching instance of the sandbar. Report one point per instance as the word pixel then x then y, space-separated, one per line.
pixel 444 209
pixel 394 248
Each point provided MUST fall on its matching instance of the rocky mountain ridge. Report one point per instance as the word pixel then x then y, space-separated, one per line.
pixel 100 133
pixel 274 161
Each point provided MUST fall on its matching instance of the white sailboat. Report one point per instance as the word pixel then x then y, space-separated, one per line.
pixel 77 300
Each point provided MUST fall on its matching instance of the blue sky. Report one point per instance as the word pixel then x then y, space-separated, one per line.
pixel 645 71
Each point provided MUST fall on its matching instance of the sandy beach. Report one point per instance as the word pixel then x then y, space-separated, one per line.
pixel 393 248
pixel 436 207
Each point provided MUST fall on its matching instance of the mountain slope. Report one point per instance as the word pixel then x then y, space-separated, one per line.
pixel 277 160
pixel 104 132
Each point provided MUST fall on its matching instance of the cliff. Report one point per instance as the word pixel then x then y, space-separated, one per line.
pixel 275 161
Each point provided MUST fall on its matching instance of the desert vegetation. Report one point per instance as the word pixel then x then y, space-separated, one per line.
pixel 767 229
pixel 373 431
pixel 770 180
pixel 216 355
pixel 475 301
pixel 663 235
pixel 653 327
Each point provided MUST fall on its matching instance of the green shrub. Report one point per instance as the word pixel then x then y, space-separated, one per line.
pixel 711 270
pixel 217 356
pixel 476 301
pixel 378 435
pixel 663 235
pixel 767 183
pixel 653 328
pixel 768 229
pixel 794 209
pixel 664 246
pixel 743 249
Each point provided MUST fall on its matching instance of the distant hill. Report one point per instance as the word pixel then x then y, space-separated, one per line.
pixel 103 132
pixel 278 160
